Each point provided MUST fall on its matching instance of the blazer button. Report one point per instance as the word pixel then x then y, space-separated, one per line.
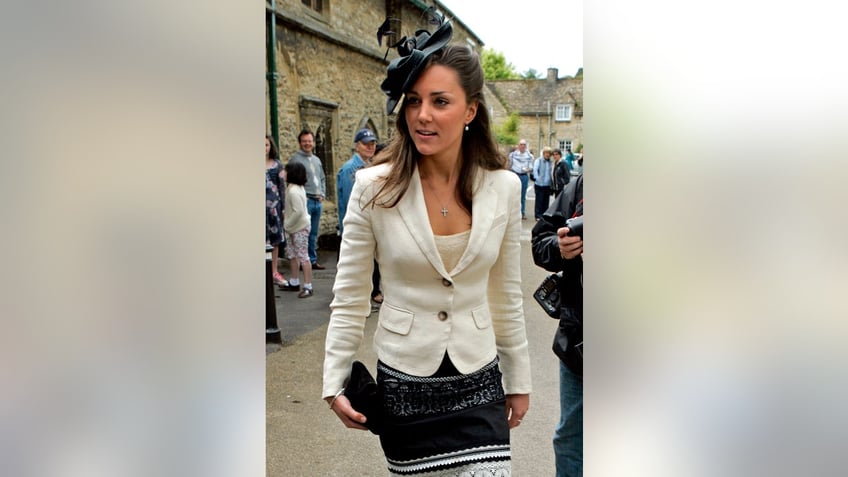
pixel 446 282
pixel 443 315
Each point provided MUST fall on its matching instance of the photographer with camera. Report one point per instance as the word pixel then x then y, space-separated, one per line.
pixel 557 244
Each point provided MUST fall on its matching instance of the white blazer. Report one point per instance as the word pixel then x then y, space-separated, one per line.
pixel 473 312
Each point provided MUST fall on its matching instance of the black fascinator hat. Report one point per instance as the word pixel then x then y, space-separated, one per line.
pixel 404 70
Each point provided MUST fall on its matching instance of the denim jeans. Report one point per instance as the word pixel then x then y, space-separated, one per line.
pixel 313 207
pixel 568 436
pixel 524 181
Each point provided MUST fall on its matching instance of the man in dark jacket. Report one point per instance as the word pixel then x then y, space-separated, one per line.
pixel 555 250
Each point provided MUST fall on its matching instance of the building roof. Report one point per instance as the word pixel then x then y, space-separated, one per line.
pixel 533 96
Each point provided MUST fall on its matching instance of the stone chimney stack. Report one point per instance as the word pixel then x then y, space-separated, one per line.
pixel 553 73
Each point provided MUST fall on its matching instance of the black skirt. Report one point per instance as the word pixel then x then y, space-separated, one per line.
pixel 448 424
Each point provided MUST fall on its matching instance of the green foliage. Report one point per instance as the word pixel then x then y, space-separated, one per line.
pixel 531 74
pixel 507 133
pixel 495 66
pixel 579 148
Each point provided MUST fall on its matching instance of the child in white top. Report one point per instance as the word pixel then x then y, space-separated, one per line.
pixel 297 224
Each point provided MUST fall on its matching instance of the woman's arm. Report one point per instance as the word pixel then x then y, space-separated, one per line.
pixel 351 302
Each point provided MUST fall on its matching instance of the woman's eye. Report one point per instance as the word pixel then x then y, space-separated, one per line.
pixel 441 101
pixel 413 100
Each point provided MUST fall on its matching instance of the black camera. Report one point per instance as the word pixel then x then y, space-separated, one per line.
pixel 547 295
pixel 575 226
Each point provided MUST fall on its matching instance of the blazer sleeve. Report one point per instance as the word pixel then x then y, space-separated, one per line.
pixel 505 300
pixel 351 302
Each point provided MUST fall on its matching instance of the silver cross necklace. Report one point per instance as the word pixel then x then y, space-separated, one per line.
pixel 444 210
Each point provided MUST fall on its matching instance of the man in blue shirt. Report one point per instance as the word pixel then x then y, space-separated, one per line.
pixel 365 146
pixel 543 172
pixel 365 143
pixel 521 162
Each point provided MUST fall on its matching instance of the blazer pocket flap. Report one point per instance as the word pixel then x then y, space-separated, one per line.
pixel 482 318
pixel 395 320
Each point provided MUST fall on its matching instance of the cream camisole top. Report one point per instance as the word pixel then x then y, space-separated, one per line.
pixel 451 248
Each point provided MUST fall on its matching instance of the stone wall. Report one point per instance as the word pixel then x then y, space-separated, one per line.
pixel 330 67
pixel 326 64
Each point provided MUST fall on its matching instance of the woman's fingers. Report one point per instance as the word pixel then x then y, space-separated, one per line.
pixel 349 416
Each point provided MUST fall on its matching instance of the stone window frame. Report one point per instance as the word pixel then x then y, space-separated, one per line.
pixel 320 7
pixel 563 112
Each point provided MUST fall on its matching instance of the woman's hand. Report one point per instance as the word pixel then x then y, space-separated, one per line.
pixel 516 408
pixel 348 415
pixel 569 247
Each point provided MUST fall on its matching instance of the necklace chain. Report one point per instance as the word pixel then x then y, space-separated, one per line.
pixel 444 210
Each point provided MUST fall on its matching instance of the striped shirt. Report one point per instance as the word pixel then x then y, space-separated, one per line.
pixel 520 162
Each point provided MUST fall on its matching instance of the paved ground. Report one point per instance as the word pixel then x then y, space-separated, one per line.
pixel 305 439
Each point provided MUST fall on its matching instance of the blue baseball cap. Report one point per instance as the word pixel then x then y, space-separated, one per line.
pixel 365 135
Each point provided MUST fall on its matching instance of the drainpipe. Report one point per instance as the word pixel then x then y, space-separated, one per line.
pixel 550 124
pixel 271 75
pixel 541 135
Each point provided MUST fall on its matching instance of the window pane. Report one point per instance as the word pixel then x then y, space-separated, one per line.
pixel 563 112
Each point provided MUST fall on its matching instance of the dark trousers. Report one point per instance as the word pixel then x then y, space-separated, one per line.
pixel 375 281
pixel 543 198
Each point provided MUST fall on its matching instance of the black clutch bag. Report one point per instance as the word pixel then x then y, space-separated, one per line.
pixel 361 390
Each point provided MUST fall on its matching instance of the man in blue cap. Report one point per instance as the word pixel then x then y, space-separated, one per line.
pixel 364 145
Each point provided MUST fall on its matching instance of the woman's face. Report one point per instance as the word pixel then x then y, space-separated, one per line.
pixel 436 112
pixel 267 147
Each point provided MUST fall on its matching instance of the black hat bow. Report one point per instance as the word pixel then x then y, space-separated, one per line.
pixel 404 70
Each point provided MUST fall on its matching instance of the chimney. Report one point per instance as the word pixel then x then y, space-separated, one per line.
pixel 552 75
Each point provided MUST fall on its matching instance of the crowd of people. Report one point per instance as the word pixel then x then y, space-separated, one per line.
pixel 293 205
pixel 294 194
pixel 430 227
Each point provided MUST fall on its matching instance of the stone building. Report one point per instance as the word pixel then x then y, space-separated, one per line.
pixel 328 66
pixel 325 67
pixel 550 109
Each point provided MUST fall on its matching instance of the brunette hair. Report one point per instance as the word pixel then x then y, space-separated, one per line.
pixel 272 154
pixel 295 173
pixel 478 150
pixel 304 132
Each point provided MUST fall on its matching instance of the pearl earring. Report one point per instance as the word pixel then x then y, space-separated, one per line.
pixel 466 127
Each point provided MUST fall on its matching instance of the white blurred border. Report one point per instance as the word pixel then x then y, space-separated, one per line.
pixel 715 292
pixel 133 271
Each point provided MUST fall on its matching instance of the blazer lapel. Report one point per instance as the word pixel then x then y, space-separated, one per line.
pixel 413 211
pixel 482 216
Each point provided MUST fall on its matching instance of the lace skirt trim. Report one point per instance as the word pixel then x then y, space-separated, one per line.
pixel 446 425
